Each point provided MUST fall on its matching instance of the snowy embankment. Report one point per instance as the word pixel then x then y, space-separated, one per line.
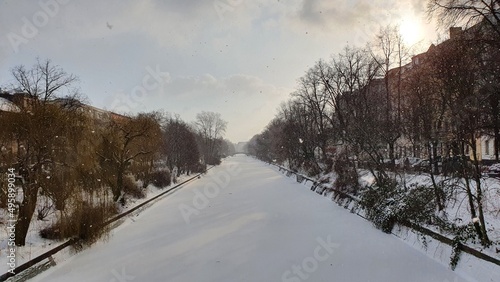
pixel 35 245
pixel 457 207
pixel 456 210
pixel 244 221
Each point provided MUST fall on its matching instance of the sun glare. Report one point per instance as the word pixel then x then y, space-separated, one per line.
pixel 411 30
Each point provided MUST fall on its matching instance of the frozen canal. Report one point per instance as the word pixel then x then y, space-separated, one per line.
pixel 244 221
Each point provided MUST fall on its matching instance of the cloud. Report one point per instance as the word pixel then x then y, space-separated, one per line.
pixel 246 101
pixel 216 89
pixel 241 63
pixel 357 19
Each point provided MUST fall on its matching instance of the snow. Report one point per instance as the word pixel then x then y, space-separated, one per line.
pixel 248 222
pixel 8 106
pixel 495 167
pixel 35 245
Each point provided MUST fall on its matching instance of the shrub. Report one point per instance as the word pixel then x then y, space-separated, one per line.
pixel 311 168
pixel 52 232
pixel 213 160
pixel 347 175
pixel 161 178
pixel 198 168
pixel 85 222
pixel 417 204
pixel 44 210
pixel 380 203
pixel 463 234
pixel 387 203
pixel 131 188
pixel 328 164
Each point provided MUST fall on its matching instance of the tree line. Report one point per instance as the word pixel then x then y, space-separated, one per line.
pixel 371 107
pixel 83 167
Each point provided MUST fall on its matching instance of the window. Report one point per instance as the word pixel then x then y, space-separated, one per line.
pixel 487 147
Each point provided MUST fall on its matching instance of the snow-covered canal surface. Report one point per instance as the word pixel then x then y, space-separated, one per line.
pixel 244 221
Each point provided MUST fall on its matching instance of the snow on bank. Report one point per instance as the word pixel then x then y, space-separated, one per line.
pixel 258 226
pixel 35 245
pixel 469 266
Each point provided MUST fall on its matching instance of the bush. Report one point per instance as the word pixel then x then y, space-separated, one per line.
pixel 86 222
pixel 311 168
pixel 347 175
pixel 328 164
pixel 417 205
pixel 463 234
pixel 44 210
pixel 387 203
pixel 161 178
pixel 198 168
pixel 213 160
pixel 131 188
pixel 52 232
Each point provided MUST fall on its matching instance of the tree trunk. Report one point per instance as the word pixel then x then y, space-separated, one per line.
pixel 494 103
pixel 437 190
pixel 391 156
pixel 26 211
pixel 485 241
pixel 434 162
pixel 117 191
pixel 497 139
pixel 437 193
pixel 470 197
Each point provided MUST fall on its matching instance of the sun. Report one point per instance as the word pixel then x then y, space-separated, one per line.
pixel 411 30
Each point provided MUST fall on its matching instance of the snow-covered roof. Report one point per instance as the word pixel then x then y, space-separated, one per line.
pixel 8 106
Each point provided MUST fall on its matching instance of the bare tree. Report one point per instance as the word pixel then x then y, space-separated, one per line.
pixel 41 132
pixel 180 146
pixel 44 81
pixel 459 72
pixel 390 53
pixel 356 97
pixel 211 127
pixel 273 145
pixel 228 148
pixel 467 12
pixel 481 21
pixel 425 114
pixel 312 94
pixel 126 140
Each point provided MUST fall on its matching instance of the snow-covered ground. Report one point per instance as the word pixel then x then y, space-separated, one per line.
pixel 35 245
pixel 457 207
pixel 244 221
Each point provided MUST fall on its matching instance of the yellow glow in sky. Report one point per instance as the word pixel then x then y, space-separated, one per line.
pixel 411 30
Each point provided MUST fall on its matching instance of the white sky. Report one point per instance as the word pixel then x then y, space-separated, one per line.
pixel 240 58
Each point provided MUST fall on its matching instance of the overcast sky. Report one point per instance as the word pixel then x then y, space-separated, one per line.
pixel 240 58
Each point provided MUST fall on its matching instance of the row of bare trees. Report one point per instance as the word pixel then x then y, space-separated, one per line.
pixel 80 166
pixel 364 103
